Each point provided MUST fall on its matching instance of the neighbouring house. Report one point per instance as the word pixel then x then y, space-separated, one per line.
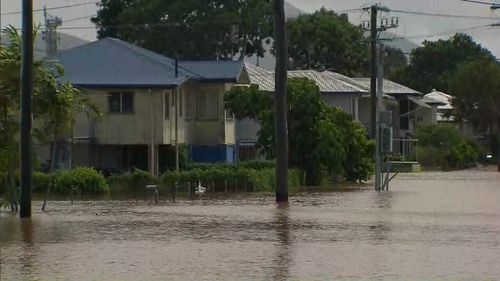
pixel 336 90
pixel 409 109
pixel 444 108
pixel 149 102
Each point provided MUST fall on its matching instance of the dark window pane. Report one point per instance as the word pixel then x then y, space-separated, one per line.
pixel 114 102
pixel 127 102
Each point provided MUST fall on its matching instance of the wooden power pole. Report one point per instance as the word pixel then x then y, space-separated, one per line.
pixel 26 120
pixel 280 102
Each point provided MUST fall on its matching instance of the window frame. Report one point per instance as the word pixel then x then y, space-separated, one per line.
pixel 121 94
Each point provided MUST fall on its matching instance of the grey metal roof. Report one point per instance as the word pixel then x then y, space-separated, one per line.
pixel 444 99
pixel 390 87
pixel 213 70
pixel 328 83
pixel 113 63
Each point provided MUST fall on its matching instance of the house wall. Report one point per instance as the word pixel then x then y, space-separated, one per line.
pixel 426 116
pixel 348 103
pixel 140 127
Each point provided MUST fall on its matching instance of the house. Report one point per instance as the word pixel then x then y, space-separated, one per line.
pixel 150 102
pixel 443 107
pixel 336 90
pixel 409 109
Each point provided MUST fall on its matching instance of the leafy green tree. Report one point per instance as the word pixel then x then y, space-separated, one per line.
pixel 326 40
pixel 432 65
pixel 189 29
pixel 394 59
pixel 54 106
pixel 322 140
pixel 476 90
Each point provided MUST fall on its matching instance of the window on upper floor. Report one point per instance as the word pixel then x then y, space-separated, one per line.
pixel 208 108
pixel 121 102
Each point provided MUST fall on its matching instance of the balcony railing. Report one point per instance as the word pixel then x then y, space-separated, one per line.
pixel 406 148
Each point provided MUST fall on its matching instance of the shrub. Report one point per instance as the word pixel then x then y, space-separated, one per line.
pixel 444 147
pixel 41 182
pixel 84 179
pixel 260 179
pixel 257 165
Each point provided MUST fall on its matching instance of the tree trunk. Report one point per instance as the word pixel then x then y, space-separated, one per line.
pixel 280 102
pixel 53 147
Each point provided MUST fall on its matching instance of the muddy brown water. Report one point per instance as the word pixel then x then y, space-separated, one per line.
pixel 430 226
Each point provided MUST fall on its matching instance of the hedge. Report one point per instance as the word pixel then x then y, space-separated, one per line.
pixel 83 179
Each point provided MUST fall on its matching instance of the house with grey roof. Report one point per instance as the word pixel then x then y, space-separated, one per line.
pixel 352 95
pixel 150 102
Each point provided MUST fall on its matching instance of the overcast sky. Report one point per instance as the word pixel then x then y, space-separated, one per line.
pixel 411 26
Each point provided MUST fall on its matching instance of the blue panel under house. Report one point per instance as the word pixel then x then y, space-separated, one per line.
pixel 212 153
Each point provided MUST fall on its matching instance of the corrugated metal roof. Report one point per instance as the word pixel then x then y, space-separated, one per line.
pixel 261 77
pixel 214 70
pixel 327 82
pixel 445 99
pixel 110 62
pixel 113 63
pixel 390 87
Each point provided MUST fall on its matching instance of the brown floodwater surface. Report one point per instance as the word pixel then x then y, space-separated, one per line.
pixel 430 226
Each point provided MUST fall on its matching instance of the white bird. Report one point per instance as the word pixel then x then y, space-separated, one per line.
pixel 200 189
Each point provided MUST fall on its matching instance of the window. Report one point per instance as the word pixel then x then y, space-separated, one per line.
pixel 121 102
pixel 180 103
pixel 207 106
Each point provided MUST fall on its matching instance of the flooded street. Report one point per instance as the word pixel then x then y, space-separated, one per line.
pixel 430 226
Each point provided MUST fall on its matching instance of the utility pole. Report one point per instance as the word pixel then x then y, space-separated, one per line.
pixel 176 93
pixel 375 30
pixel 373 68
pixel 26 108
pixel 280 103
pixel 50 34
pixel 378 139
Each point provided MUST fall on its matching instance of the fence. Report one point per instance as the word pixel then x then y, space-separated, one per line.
pixel 406 148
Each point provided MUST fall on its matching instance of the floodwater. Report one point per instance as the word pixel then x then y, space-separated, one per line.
pixel 430 226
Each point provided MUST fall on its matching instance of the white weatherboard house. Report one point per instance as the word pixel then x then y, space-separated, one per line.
pixel 150 103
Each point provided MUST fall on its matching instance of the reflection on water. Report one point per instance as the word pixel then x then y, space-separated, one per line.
pixel 283 256
pixel 430 226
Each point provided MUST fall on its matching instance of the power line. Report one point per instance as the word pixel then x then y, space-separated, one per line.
pixel 479 2
pixel 79 18
pixel 441 33
pixel 54 8
pixel 443 15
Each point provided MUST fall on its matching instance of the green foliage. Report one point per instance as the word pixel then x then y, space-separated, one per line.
pixel 54 104
pixel 41 182
pixel 257 165
pixel 328 41
pixel 260 179
pixel 322 140
pixel 83 179
pixel 432 64
pixel 394 60
pixel 476 90
pixel 443 147
pixel 211 29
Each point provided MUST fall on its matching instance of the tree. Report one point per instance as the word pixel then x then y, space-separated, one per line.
pixel 54 105
pixel 432 64
pixel 394 59
pixel 189 29
pixel 322 140
pixel 476 90
pixel 325 40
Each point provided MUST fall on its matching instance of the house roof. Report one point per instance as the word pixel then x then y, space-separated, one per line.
pixel 390 87
pixel 444 99
pixel 328 82
pixel 224 71
pixel 113 63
